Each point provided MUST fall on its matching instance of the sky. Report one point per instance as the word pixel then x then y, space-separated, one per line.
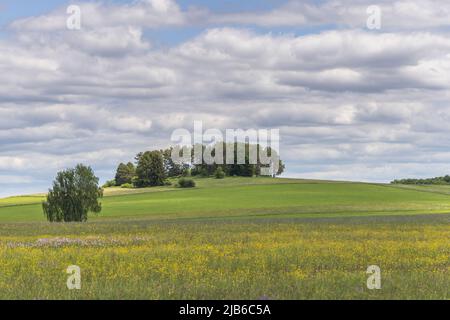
pixel 351 102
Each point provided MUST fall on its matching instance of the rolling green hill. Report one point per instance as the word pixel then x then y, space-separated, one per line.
pixel 250 197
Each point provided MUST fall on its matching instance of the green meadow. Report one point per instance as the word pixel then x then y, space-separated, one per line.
pixel 236 238
pixel 248 198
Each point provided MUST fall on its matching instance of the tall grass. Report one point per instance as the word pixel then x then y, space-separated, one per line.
pixel 291 259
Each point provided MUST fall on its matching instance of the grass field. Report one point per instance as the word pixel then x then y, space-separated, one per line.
pixel 238 238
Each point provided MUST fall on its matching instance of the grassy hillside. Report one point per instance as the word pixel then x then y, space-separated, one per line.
pixel 236 238
pixel 251 197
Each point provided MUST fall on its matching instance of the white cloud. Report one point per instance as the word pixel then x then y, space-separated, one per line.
pixel 400 14
pixel 350 103
pixel 142 13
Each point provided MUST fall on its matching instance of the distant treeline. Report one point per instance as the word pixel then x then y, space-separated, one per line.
pixel 436 180
pixel 153 168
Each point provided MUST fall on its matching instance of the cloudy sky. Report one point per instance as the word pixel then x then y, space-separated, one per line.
pixel 351 102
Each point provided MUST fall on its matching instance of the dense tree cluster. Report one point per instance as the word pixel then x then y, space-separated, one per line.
pixel 247 169
pixel 436 180
pixel 154 167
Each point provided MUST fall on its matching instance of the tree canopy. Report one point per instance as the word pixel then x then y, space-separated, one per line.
pixel 150 170
pixel 75 193
pixel 125 173
pixel 246 169
pixel 436 180
pixel 154 167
